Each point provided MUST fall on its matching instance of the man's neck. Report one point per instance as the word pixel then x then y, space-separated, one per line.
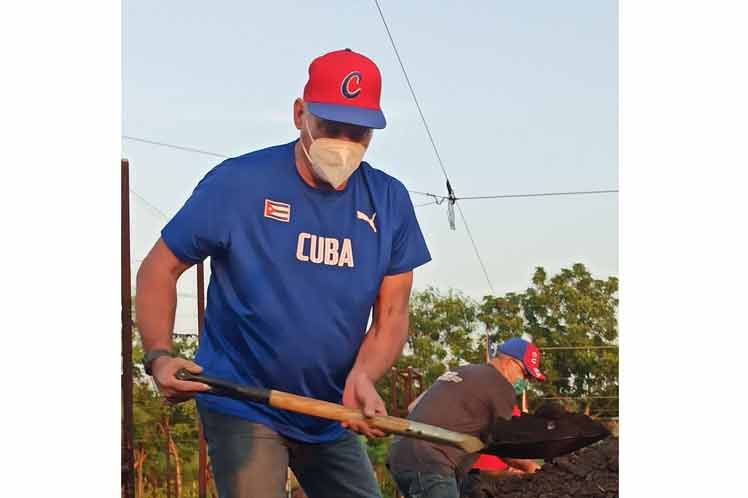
pixel 500 367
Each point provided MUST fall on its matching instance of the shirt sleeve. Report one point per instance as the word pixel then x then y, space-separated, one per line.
pixel 409 248
pixel 503 401
pixel 201 227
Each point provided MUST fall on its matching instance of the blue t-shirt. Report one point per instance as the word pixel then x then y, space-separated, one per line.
pixel 294 274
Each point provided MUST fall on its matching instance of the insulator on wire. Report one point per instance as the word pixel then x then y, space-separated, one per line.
pixel 451 206
pixel 451 215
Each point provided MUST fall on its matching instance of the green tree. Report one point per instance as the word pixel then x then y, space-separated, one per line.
pixel 378 449
pixel 442 333
pixel 570 309
pixel 159 426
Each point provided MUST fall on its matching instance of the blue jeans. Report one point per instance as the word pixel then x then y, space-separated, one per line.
pixel 425 485
pixel 250 460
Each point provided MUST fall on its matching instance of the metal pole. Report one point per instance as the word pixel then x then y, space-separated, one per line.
pixel 128 477
pixel 202 455
pixel 393 392
pixel 408 388
pixel 418 376
pixel 167 434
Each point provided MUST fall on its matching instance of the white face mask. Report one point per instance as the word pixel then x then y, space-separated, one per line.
pixel 333 160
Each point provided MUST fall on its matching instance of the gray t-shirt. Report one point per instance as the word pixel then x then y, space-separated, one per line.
pixel 467 399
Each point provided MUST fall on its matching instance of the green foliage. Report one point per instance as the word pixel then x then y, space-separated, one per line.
pixel 378 449
pixel 570 309
pixel 151 416
pixel 441 333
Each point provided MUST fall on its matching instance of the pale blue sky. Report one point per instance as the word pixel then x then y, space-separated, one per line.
pixel 520 97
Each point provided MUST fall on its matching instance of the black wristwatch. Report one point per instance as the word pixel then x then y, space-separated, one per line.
pixel 150 356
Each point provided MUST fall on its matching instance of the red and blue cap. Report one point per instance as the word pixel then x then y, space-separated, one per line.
pixel 345 86
pixel 526 352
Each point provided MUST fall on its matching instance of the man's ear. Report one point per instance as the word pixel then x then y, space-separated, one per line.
pixel 298 112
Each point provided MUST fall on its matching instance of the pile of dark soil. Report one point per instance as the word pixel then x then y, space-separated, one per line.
pixel 589 472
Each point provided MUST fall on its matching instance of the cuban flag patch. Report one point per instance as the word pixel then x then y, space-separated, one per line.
pixel 277 210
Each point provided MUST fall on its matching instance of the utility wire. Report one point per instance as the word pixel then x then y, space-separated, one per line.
pixel 510 196
pixel 172 146
pixel 149 204
pixel 580 397
pixel 475 247
pixel 543 194
pixel 410 86
pixel 437 197
pixel 433 144
pixel 573 348
pixel 425 204
pixel 425 193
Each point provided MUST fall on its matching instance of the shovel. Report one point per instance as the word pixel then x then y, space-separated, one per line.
pixel 539 442
pixel 534 436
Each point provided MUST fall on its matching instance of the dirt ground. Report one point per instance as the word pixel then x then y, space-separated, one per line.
pixel 589 472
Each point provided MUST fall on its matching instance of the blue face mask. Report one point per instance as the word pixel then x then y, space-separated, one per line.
pixel 520 385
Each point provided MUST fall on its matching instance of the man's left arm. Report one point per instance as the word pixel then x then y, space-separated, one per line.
pixel 380 348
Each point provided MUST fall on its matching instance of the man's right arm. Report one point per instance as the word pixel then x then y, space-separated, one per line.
pixel 156 296
pixel 155 306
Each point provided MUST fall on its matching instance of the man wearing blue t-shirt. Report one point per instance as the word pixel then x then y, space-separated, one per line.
pixel 304 240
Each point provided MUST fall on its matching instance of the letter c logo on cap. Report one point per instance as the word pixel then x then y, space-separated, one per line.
pixel 351 85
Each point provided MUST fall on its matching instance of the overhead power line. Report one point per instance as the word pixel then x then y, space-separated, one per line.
pixel 542 194
pixel 579 397
pixel 475 247
pixel 412 92
pixel 450 192
pixel 573 348
pixel 425 204
pixel 172 146
pixel 440 198
pixel 149 204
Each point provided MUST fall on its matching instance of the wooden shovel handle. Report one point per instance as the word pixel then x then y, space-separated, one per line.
pixel 333 411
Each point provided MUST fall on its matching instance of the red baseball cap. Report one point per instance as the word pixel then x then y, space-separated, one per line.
pixel 526 352
pixel 345 86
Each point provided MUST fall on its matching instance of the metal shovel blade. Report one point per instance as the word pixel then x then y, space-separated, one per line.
pixel 530 436
pixel 542 449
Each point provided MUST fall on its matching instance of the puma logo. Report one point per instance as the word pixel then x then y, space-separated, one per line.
pixel 370 221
